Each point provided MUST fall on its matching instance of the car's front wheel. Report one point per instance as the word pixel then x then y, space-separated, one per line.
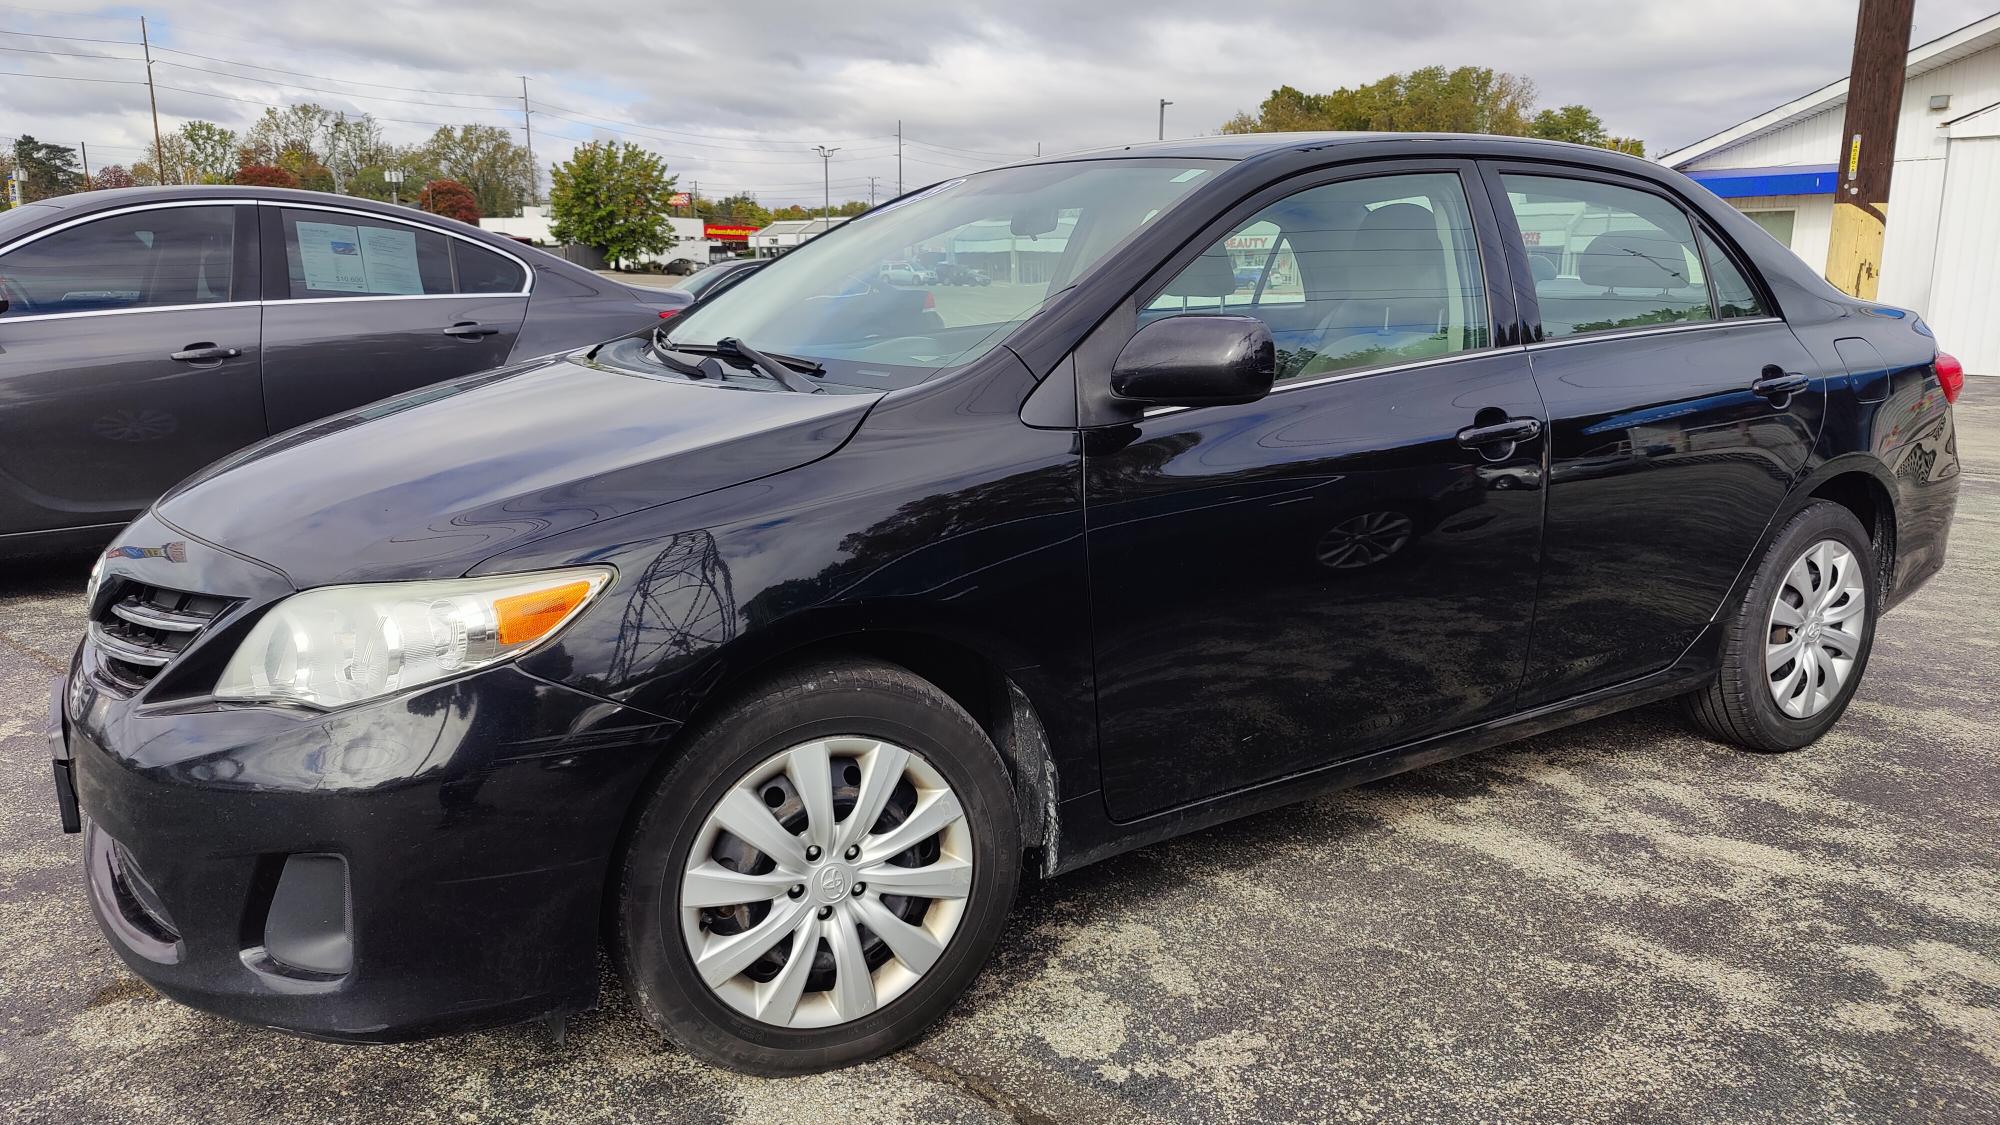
pixel 1796 646
pixel 822 873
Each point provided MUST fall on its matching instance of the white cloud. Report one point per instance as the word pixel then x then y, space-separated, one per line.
pixel 734 94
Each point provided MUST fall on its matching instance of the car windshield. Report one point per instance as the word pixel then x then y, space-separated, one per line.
pixel 939 278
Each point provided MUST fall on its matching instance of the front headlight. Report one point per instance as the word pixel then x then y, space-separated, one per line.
pixel 96 580
pixel 343 644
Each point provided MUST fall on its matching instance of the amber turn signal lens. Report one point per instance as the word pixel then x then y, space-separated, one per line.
pixel 527 617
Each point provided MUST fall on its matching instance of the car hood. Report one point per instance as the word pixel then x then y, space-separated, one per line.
pixel 430 483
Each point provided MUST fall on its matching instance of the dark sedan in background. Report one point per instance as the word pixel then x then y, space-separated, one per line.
pixel 146 332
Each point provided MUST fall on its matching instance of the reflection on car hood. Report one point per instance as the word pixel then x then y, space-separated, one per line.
pixel 429 483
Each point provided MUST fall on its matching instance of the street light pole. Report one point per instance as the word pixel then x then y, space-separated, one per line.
pixel 1164 103
pixel 825 179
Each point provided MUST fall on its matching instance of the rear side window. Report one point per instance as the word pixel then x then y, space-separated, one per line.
pixel 141 259
pixel 336 254
pixel 482 271
pixel 1734 295
pixel 1607 257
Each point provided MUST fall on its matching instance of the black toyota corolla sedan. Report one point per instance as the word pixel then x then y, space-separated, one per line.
pixel 768 647
pixel 145 332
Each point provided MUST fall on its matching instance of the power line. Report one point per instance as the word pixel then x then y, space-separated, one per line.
pixel 68 54
pixel 335 93
pixel 70 38
pixel 71 78
pixel 317 77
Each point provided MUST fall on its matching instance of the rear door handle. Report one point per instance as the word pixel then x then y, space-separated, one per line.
pixel 470 329
pixel 205 353
pixel 1778 384
pixel 1500 433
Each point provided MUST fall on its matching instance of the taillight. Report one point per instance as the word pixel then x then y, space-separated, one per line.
pixel 1951 375
pixel 665 313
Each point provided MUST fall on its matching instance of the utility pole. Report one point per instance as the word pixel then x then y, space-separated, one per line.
pixel 394 178
pixel 871 191
pixel 85 147
pixel 826 177
pixel 1868 148
pixel 1164 103
pixel 899 156
pixel 159 150
pixel 528 129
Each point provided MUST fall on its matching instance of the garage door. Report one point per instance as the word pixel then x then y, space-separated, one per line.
pixel 1967 273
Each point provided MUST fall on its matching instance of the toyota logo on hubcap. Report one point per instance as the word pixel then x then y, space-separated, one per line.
pixel 831 884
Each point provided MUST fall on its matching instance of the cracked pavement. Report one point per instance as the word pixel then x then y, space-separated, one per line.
pixel 1614 921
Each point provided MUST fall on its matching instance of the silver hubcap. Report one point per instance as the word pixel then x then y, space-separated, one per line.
pixel 826 882
pixel 1814 634
pixel 1364 540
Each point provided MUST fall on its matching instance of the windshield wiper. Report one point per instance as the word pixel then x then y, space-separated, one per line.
pixel 782 369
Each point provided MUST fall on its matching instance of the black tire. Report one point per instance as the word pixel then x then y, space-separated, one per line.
pixel 1737 705
pixel 844 697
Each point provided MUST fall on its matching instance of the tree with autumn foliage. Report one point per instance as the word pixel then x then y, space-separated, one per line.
pixel 265 175
pixel 113 176
pixel 451 199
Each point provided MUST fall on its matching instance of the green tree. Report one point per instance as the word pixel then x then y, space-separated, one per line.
pixel 299 130
pixel 612 196
pixel 1573 123
pixel 45 170
pixel 1468 99
pixel 209 150
pixel 739 208
pixel 485 159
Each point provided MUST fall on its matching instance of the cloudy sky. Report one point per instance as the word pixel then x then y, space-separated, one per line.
pixel 735 95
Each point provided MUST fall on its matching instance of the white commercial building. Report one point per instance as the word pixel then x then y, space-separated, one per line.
pixel 780 237
pixel 1942 256
pixel 533 224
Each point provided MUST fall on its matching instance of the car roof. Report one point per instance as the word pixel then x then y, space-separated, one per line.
pixel 1245 146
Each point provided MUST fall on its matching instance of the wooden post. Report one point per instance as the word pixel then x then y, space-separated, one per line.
pixel 1868 146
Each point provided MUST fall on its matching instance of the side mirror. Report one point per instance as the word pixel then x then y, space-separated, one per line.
pixel 1197 361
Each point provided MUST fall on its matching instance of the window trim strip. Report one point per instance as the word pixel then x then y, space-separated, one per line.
pixel 527 271
pixel 1652 330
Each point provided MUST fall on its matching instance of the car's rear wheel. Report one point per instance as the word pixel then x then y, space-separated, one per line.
pixel 821 875
pixel 1797 644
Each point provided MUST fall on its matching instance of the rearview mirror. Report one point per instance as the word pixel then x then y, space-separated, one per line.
pixel 1197 361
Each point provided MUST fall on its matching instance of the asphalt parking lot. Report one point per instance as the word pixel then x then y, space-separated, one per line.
pixel 1616 921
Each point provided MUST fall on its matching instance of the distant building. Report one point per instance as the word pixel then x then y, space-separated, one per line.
pixel 780 237
pixel 691 243
pixel 1942 256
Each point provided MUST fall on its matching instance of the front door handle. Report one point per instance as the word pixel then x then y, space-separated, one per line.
pixel 471 329
pixel 205 353
pixel 1500 433
pixel 1777 384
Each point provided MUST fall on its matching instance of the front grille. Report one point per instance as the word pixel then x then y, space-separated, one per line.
pixel 143 628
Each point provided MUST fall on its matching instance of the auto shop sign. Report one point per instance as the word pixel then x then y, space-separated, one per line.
pixel 728 232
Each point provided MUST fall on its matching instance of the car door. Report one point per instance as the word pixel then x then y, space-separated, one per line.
pixel 129 357
pixel 1349 563
pixel 360 307
pixel 1681 411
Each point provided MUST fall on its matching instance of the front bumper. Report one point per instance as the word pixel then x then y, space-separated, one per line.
pixel 427 863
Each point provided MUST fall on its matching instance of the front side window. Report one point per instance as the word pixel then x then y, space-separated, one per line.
pixel 336 254
pixel 1607 257
pixel 940 278
pixel 141 259
pixel 1348 275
